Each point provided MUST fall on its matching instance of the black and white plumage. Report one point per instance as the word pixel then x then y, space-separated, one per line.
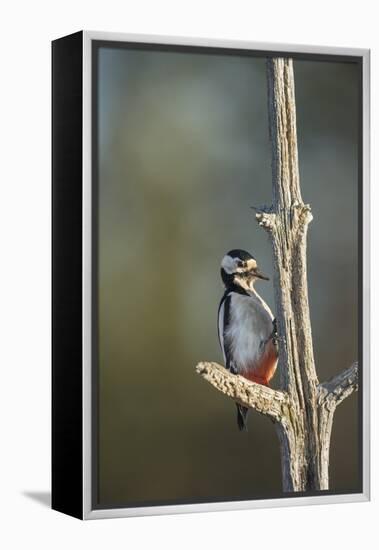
pixel 246 325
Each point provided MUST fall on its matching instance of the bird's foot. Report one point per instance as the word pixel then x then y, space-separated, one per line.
pixel 274 335
pixel 233 369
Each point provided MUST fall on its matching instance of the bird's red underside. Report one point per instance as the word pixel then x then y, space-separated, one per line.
pixel 265 370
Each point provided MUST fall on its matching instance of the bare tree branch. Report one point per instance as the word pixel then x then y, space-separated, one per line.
pixel 265 400
pixel 334 391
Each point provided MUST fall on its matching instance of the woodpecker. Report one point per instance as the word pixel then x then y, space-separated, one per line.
pixel 246 326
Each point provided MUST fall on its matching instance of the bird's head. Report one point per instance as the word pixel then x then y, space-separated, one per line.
pixel 240 268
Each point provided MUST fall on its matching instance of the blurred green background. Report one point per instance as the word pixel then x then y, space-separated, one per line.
pixel 183 152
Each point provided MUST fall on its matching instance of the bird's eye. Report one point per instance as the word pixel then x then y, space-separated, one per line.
pixel 240 263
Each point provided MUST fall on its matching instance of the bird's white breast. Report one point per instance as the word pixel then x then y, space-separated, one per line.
pixel 250 325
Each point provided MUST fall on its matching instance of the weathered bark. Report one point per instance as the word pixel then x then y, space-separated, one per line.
pixel 331 394
pixel 303 409
pixel 272 403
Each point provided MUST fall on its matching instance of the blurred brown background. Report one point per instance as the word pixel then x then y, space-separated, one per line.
pixel 183 153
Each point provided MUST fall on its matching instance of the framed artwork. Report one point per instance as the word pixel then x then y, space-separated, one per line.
pixel 210 275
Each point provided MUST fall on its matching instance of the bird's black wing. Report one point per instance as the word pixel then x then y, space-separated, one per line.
pixel 223 322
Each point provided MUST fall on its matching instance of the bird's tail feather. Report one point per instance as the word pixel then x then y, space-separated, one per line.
pixel 242 413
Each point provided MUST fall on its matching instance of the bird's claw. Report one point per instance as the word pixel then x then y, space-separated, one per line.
pixel 274 335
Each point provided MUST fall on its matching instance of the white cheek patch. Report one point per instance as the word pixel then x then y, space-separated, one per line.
pixel 251 264
pixel 228 264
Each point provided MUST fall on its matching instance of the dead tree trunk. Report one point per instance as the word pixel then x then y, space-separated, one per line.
pixel 303 409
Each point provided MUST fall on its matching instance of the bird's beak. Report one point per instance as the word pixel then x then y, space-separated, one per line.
pixel 259 275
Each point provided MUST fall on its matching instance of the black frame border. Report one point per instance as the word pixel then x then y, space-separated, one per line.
pixel 67 368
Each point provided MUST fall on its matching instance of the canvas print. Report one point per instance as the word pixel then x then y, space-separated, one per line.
pixel 227 275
